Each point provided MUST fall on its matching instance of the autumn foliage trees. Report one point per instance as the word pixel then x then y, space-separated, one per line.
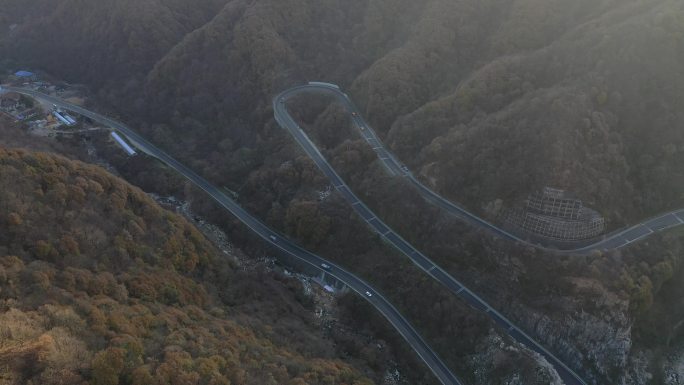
pixel 99 285
pixel 485 100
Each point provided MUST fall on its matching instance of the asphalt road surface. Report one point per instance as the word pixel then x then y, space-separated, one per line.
pixel 286 121
pixel 615 240
pixel 436 365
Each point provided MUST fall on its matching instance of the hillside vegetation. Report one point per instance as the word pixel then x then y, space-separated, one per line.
pixel 486 100
pixel 113 43
pixel 99 285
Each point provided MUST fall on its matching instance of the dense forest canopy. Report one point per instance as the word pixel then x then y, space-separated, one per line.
pixel 486 100
pixel 99 285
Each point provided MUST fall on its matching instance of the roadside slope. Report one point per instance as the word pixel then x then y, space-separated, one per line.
pixel 99 283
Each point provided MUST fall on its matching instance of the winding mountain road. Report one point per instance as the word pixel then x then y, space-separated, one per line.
pixel 615 240
pixel 286 121
pixel 618 239
pixel 380 303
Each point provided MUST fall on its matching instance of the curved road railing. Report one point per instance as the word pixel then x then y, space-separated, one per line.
pixel 286 121
pixel 385 307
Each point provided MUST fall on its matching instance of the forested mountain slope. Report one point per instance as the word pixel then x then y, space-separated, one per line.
pixel 487 100
pixel 100 285
pixel 112 43
pixel 474 94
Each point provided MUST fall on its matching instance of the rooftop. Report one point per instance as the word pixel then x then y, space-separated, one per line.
pixel 24 74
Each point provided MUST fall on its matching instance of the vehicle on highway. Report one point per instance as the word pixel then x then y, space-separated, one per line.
pixel 273 238
pixel 325 266
pixel 368 294
pixel 355 114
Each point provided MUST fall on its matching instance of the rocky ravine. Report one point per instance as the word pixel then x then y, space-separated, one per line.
pixel 598 341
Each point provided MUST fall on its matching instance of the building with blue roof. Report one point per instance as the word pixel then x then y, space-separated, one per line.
pixel 25 75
